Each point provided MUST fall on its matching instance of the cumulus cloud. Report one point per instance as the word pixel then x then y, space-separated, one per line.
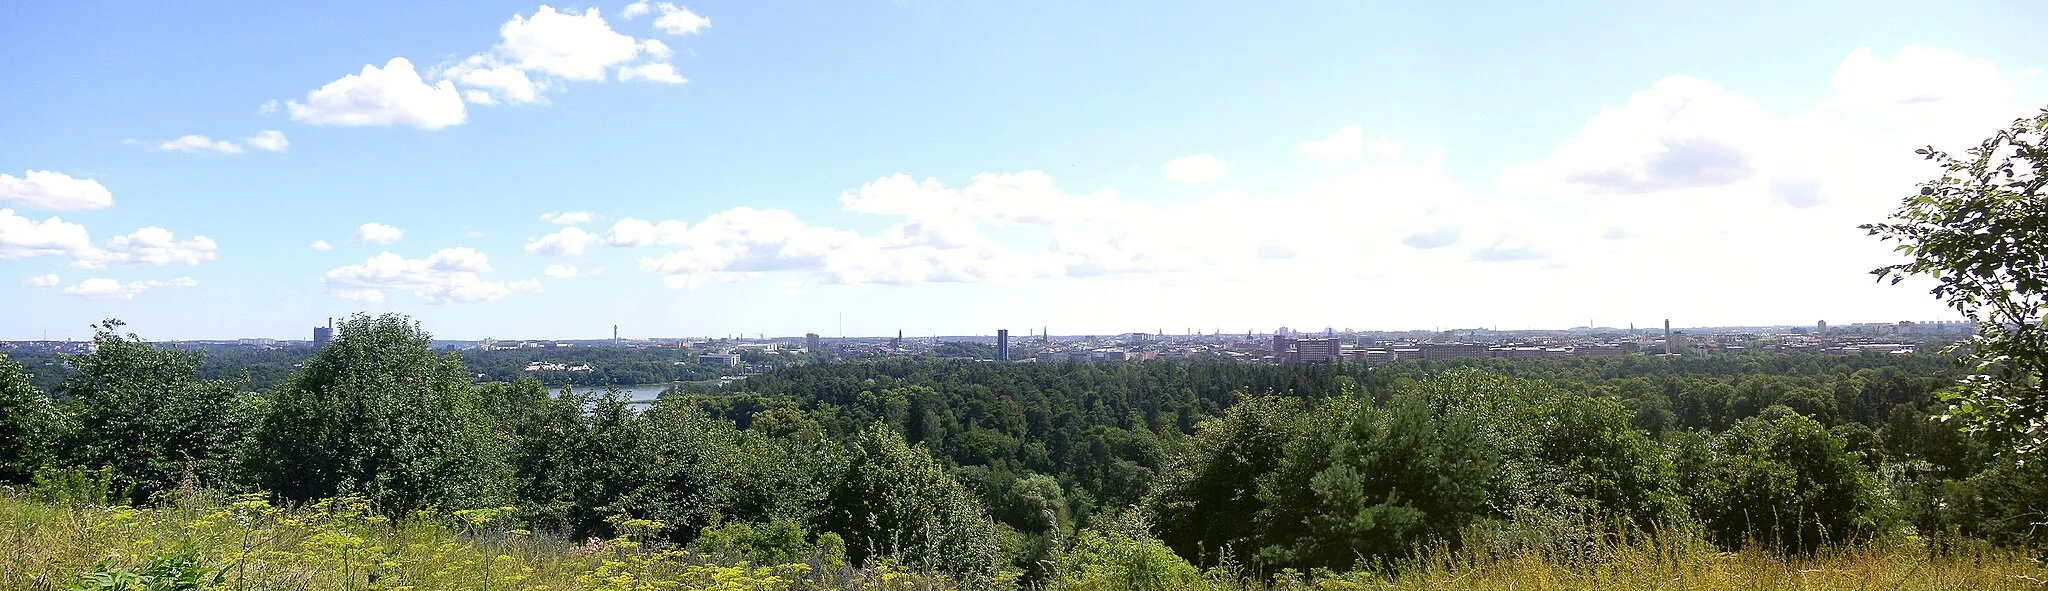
pixel 450 275
pixel 569 241
pixel 22 237
pixel 678 20
pixel 568 218
pixel 1199 168
pixel 1681 133
pixel 538 53
pixel 200 143
pixel 392 95
pixel 43 189
pixel 652 72
pixel 50 280
pixel 636 10
pixel 152 246
pixel 638 232
pixel 320 245
pixel 375 233
pixel 535 54
pixel 100 288
pixel 268 140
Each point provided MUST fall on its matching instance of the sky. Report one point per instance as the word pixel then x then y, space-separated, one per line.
pixel 518 170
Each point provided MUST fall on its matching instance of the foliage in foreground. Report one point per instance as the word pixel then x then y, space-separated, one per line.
pixel 199 541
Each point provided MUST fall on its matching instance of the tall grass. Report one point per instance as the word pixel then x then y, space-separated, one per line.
pixel 244 543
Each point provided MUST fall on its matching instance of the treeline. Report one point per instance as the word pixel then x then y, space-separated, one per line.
pixel 989 472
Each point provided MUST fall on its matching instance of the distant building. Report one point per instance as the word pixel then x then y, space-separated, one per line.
pixel 1316 351
pixel 323 334
pixel 811 341
pixel 1282 344
pixel 727 359
pixel 1003 344
pixel 1435 351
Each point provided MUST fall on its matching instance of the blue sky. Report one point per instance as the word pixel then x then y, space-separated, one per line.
pixel 957 167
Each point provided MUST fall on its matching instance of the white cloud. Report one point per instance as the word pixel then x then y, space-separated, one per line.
pixel 568 218
pixel 450 275
pixel 652 72
pixel 678 20
pixel 565 44
pixel 637 232
pixel 392 95
pixel 1199 168
pixel 488 83
pixel 537 53
pixel 152 246
pixel 200 143
pixel 50 280
pixel 635 10
pixel 1681 133
pixel 569 272
pixel 268 107
pixel 268 140
pixel 320 245
pixel 21 237
pixel 100 288
pixel 1347 142
pixel 570 241
pixel 375 233
pixel 43 189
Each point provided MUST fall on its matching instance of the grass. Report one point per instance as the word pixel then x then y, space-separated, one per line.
pixel 244 543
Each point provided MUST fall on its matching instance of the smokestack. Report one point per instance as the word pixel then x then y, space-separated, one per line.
pixel 1667 336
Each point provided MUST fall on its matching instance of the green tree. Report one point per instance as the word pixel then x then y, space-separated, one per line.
pixel 895 502
pixel 379 413
pixel 1206 500
pixel 1365 481
pixel 1786 482
pixel 1981 232
pixel 144 412
pixel 29 425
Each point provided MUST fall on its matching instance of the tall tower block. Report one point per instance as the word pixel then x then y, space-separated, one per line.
pixel 1003 344
pixel 1667 336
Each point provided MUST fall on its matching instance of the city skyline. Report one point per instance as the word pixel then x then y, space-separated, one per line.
pixel 720 168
